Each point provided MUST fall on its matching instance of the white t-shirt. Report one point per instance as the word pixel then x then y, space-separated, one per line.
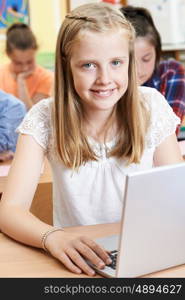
pixel 94 193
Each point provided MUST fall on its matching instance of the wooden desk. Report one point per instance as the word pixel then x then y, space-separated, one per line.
pixel 42 202
pixel 18 260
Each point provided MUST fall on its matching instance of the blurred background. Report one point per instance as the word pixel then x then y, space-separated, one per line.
pixel 46 16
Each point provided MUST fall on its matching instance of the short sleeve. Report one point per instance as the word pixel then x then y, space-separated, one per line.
pixel 163 121
pixel 37 123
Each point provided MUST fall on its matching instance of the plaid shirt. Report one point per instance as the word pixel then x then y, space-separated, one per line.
pixel 169 79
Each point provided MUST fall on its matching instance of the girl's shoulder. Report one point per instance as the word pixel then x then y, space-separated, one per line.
pixel 163 121
pixel 41 110
pixel 4 71
pixel 45 104
pixel 155 102
pixel 145 90
pixel 151 97
pixel 5 66
pixel 38 122
pixel 170 63
pixel 169 66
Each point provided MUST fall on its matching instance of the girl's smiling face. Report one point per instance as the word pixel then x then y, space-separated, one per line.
pixel 99 65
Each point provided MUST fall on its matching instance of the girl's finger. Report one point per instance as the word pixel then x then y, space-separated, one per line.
pixel 68 263
pixel 99 250
pixel 90 255
pixel 80 262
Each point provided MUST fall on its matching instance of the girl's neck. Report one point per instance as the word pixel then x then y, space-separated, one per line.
pixel 100 127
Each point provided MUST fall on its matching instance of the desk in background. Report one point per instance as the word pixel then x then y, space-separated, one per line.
pixel 18 260
pixel 42 202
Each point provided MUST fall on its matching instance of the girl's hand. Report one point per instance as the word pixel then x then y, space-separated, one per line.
pixel 22 88
pixel 73 251
pixel 24 75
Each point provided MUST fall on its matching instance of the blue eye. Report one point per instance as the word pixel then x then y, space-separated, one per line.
pixel 88 65
pixel 116 62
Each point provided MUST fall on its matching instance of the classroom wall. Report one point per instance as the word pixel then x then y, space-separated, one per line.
pixel 168 17
pixel 45 19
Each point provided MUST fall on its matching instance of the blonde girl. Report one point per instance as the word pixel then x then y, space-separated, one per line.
pixel 98 127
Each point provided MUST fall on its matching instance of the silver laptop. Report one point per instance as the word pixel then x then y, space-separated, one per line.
pixel 152 236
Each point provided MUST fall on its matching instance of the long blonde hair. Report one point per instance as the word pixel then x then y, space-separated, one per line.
pixel 71 142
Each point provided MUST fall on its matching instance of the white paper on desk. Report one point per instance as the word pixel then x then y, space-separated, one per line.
pixel 4 170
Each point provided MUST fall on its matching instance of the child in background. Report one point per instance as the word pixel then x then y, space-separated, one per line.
pixel 22 77
pixel 167 76
pixel 12 112
pixel 98 127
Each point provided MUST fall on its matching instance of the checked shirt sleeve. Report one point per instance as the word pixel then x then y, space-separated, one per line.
pixel 173 86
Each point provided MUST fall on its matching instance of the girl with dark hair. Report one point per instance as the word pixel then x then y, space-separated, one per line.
pixel 167 76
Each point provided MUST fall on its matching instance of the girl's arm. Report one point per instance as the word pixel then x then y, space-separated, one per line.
pixel 22 89
pixel 23 92
pixel 17 221
pixel 15 217
pixel 168 152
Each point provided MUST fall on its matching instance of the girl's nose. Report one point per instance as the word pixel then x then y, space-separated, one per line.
pixel 103 76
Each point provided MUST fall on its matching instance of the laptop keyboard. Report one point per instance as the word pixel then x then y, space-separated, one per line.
pixel 113 255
